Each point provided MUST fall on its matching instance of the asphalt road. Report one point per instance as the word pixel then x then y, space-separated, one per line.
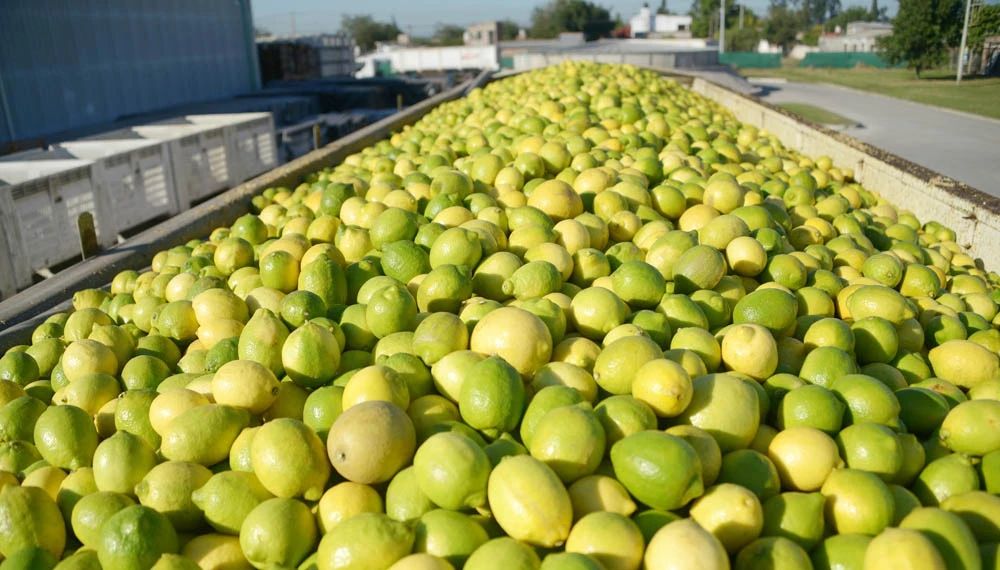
pixel 957 145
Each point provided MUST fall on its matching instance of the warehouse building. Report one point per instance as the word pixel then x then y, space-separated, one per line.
pixel 66 65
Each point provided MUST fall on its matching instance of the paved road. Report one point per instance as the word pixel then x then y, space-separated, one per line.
pixel 957 145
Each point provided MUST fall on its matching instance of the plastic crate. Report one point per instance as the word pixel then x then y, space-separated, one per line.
pixel 250 137
pixel 134 174
pixel 199 157
pixel 42 199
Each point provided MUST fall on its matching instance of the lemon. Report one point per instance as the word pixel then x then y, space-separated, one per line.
pixel 367 540
pixel 700 267
pixel 725 407
pixel 565 375
pixel 772 552
pixel 732 513
pixel 444 288
pixel 532 280
pixel 515 335
pixel 944 477
pixel 805 458
pixel 30 518
pixel 570 560
pixel 979 510
pixel 750 469
pixel 750 349
pixel 66 437
pixel 661 470
pixel 121 461
pixel 169 405
pixel 570 440
pixel 857 502
pixel 203 434
pixel 371 442
pixel 421 561
pixel 86 356
pixel 262 339
pixel 73 487
pixel 31 557
pixel 616 367
pixel 871 447
pixel 795 516
pixel 449 535
pixel 595 311
pixel 135 537
pixel 18 367
pixel 811 406
pixel 963 363
pixel 450 372
pixel 867 399
pixel 168 487
pixel 211 551
pixel 701 342
pixel 841 551
pixel 492 397
pixel 311 355
pixel 245 384
pixel 664 385
pixel 877 301
pixel 949 535
pixel 227 497
pixel 47 478
pixel 679 542
pixel 438 335
pixel 902 548
pixel 529 501
pixel 289 459
pixel 18 418
pixel 622 416
pixel 344 500
pixel 503 553
pixel 610 538
pixel 596 493
pixel 544 401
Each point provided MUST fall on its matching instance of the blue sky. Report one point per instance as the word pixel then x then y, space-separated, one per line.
pixel 312 16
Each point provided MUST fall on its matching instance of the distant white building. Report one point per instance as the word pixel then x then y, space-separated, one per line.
pixel 860 37
pixel 647 24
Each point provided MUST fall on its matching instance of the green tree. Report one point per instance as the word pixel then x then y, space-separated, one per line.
pixel 662 9
pixel 366 31
pixel 509 29
pixel 705 17
pixel 742 40
pixel 783 23
pixel 986 23
pixel 921 33
pixel 449 35
pixel 559 16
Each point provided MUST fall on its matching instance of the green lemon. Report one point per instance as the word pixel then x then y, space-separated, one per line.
pixel 367 540
pixel 871 447
pixel 135 538
pixel 30 518
pixel 492 397
pixel 168 487
pixel 772 552
pixel 570 440
pixel 92 511
pixel 857 502
pixel 121 462
pixel 289 459
pixel 504 553
pixel 449 535
pixel 203 434
pixel 65 436
pixel 684 539
pixel 950 536
pixel 617 365
pixel 452 470
pixel 278 532
pixel 661 470
pixel 795 516
pixel 752 470
pixel 841 551
pixel 945 477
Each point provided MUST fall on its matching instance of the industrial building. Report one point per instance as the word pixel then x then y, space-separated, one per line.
pixel 65 65
pixel 858 37
pixel 649 24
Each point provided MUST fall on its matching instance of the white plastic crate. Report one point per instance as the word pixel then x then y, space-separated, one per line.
pixel 250 137
pixel 134 174
pixel 199 157
pixel 8 279
pixel 42 201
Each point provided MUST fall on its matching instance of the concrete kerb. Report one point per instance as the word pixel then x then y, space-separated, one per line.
pixel 22 312
pixel 973 214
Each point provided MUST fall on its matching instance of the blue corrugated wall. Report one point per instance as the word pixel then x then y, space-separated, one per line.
pixel 71 63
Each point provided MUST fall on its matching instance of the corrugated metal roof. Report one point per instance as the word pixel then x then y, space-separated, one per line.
pixel 70 64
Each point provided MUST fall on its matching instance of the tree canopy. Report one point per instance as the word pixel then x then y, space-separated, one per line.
pixel 366 31
pixel 509 29
pixel 449 35
pixel 921 33
pixel 559 16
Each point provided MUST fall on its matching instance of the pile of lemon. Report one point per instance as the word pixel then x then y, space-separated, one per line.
pixel 580 319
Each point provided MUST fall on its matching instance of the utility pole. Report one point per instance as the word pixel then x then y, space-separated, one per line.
pixel 965 36
pixel 741 14
pixel 291 16
pixel 722 26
